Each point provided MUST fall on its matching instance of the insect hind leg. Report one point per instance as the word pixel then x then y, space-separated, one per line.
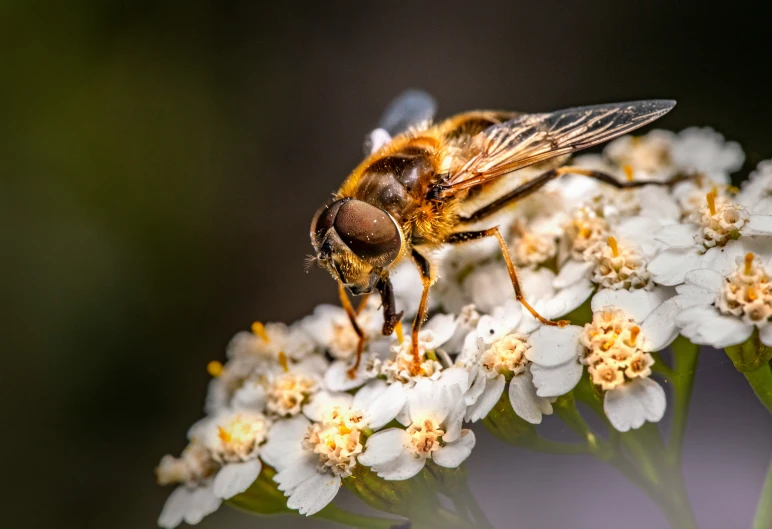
pixel 540 181
pixel 462 237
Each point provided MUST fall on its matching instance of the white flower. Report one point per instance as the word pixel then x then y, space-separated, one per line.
pixel 705 151
pixel 649 156
pixel 626 327
pixel 433 431
pixel 313 458
pixel 535 245
pixel 489 287
pixel 194 498
pixel 618 262
pixel 331 328
pixel 708 239
pixel 724 309
pixel 405 369
pixel 756 192
pixel 233 438
pixel 267 341
pixel 502 348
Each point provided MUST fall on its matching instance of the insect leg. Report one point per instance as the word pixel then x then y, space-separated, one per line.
pixel 352 316
pixel 390 317
pixel 537 183
pixel 426 278
pixel 461 237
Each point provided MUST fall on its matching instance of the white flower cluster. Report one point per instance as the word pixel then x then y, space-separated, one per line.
pixel 651 262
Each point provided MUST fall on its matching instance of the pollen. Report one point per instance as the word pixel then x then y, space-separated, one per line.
pixel 259 329
pixel 628 169
pixel 634 332
pixel 612 242
pixel 614 353
pixel 224 435
pixel 283 361
pixel 400 335
pixel 711 198
pixel 337 440
pixel 747 292
pixel 214 368
pixel 748 263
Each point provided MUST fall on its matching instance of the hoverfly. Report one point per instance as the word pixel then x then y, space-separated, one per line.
pixel 407 197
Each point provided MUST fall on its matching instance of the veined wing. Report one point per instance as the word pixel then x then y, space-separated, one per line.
pixel 533 138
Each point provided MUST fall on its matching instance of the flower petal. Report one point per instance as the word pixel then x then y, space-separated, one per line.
pixel 386 407
pixel 324 401
pixel 235 478
pixel 758 225
pixel 443 326
pixel 175 507
pixel 202 503
pixel 572 272
pixel 297 472
pixel 553 381
pixel 337 378
pixel 453 454
pixel 314 494
pixel 659 328
pixel 284 445
pixel 455 376
pixel 670 266
pixel 765 334
pixel 568 299
pixel 552 346
pixel 405 466
pixel 723 260
pixel 368 393
pixel 630 405
pixel 637 304
pixel 487 399
pixel 705 326
pixel 428 399
pixel 525 402
pixel 677 235
pixel 384 446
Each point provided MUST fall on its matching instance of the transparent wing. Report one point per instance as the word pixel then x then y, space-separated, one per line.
pixel 533 138
pixel 410 108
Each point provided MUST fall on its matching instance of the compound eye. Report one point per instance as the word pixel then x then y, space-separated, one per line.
pixel 323 221
pixel 370 232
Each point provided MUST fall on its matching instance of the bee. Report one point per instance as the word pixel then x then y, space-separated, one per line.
pixel 411 194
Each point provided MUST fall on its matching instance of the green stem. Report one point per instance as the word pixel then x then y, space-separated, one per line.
pixel 645 445
pixel 470 502
pixel 763 519
pixel 761 382
pixel 685 355
pixel 334 513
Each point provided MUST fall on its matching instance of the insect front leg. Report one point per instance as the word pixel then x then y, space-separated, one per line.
pixel 465 236
pixel 390 318
pixel 423 307
pixel 352 316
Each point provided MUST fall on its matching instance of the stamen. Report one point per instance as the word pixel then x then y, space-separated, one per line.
pixel 711 197
pixel 259 329
pixel 634 332
pixel 214 368
pixel 398 329
pixel 628 169
pixel 752 295
pixel 283 361
pixel 224 436
pixel 614 247
pixel 748 263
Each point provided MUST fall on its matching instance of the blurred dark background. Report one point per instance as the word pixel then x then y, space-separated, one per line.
pixel 159 166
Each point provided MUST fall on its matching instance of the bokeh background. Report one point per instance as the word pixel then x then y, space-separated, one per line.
pixel 160 163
